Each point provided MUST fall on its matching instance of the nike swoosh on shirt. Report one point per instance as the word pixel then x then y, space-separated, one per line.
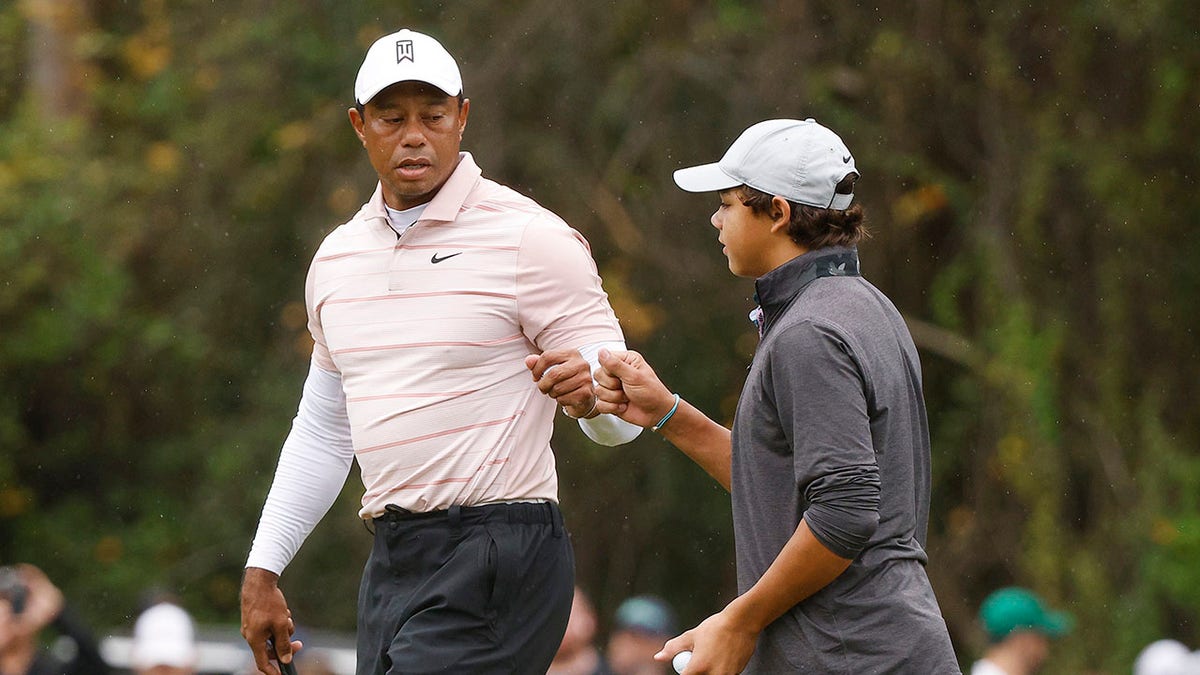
pixel 435 259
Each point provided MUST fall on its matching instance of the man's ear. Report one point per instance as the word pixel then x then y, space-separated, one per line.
pixel 464 111
pixel 356 121
pixel 781 214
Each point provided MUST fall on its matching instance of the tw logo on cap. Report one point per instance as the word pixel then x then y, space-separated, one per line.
pixel 404 51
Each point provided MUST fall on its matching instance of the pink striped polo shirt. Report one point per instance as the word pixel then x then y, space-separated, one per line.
pixel 429 332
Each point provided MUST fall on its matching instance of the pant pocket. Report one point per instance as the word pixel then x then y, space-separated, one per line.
pixel 503 565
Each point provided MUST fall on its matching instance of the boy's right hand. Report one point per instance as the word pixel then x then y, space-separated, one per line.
pixel 628 388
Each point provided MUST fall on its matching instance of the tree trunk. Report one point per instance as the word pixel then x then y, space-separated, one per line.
pixel 58 68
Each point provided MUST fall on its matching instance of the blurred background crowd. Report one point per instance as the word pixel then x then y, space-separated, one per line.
pixel 41 634
pixel 1029 172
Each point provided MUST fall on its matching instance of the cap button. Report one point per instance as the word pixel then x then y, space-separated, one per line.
pixel 810 120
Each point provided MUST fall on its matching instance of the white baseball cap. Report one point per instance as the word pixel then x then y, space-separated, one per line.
pixel 163 636
pixel 1164 657
pixel 402 56
pixel 800 161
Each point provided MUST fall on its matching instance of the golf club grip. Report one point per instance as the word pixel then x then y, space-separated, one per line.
pixel 284 668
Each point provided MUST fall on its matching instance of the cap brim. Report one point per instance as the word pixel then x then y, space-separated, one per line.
pixel 1057 624
pixel 705 178
pixel 363 97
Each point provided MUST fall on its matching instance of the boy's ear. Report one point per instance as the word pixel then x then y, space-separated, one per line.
pixel 781 214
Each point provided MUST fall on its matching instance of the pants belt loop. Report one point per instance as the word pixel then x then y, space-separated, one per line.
pixel 455 515
pixel 556 519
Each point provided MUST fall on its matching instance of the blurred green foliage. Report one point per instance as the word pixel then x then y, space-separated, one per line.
pixel 1029 171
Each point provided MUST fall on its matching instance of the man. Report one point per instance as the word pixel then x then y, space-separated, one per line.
pixel 429 310
pixel 828 458
pixel 641 625
pixel 1019 629
pixel 30 602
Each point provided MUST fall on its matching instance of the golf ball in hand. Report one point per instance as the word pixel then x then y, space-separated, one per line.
pixel 681 661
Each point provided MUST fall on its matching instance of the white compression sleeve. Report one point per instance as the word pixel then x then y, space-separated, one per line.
pixel 313 466
pixel 606 429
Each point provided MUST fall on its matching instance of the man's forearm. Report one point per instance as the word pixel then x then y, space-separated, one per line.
pixel 313 466
pixel 802 568
pixel 256 580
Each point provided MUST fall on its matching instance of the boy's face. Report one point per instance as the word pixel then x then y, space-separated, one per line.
pixel 745 234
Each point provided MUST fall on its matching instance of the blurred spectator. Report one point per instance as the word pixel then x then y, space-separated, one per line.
pixel 312 662
pixel 29 602
pixel 643 623
pixel 1019 628
pixel 578 655
pixel 1167 657
pixel 164 641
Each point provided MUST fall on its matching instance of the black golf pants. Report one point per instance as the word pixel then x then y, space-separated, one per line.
pixel 482 589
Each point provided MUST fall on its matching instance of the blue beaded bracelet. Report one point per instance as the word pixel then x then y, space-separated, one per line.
pixel 666 417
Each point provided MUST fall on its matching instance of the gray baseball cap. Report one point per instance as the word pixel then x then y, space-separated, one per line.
pixel 800 161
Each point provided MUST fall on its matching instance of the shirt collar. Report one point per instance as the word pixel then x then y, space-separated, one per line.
pixel 776 289
pixel 449 199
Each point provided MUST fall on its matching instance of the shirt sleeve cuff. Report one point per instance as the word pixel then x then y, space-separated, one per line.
pixel 607 430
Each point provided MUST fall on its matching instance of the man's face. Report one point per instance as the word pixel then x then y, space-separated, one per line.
pixel 412 132
pixel 745 234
